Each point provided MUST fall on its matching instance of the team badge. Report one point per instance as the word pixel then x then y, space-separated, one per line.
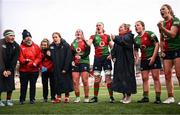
pixel 14 47
pixel 155 65
pixel 96 38
pixel 153 35
pixel 73 63
pixel 109 66
pixel 4 46
pixel 162 54
pixel 176 54
pixel 52 47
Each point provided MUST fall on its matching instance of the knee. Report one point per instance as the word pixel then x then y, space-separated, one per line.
pixel 168 78
pixel 145 79
pixel 97 73
pixel 168 74
pixel 108 79
pixel 85 83
pixel 156 78
pixel 97 79
pixel 75 83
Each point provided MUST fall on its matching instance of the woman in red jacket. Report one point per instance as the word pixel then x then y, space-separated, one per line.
pixel 46 70
pixel 29 59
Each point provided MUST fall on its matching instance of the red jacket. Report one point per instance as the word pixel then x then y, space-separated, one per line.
pixel 32 53
pixel 46 63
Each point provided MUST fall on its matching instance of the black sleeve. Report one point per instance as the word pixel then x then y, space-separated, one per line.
pixel 124 40
pixel 113 51
pixel 73 52
pixel 15 58
pixel 68 58
pixel 52 50
pixel 155 39
pixel 1 71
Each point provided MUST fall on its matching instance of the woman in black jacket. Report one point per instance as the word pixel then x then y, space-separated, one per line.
pixel 61 55
pixel 122 54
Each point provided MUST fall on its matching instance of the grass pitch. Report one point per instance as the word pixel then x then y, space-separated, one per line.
pixel 102 107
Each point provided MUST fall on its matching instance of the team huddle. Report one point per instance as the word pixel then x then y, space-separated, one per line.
pixel 63 64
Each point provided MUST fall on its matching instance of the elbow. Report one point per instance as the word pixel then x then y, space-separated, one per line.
pixel 88 43
pixel 173 36
pixel 157 45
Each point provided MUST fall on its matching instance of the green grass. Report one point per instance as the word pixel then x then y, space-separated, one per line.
pixel 102 107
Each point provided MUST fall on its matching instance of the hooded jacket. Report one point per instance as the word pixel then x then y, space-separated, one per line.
pixel 32 53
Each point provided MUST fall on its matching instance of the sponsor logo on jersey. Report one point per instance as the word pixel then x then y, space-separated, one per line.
pixel 101 44
pixel 78 50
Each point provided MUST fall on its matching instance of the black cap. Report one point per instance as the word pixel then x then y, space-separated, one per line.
pixel 26 34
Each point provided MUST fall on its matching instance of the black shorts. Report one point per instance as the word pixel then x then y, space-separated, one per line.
pixel 81 67
pixel 145 64
pixel 169 55
pixel 102 62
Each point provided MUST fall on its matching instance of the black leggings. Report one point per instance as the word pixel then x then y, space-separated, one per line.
pixel 45 77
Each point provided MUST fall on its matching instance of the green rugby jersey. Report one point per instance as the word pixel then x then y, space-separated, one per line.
pixel 101 43
pixel 81 48
pixel 146 43
pixel 171 43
